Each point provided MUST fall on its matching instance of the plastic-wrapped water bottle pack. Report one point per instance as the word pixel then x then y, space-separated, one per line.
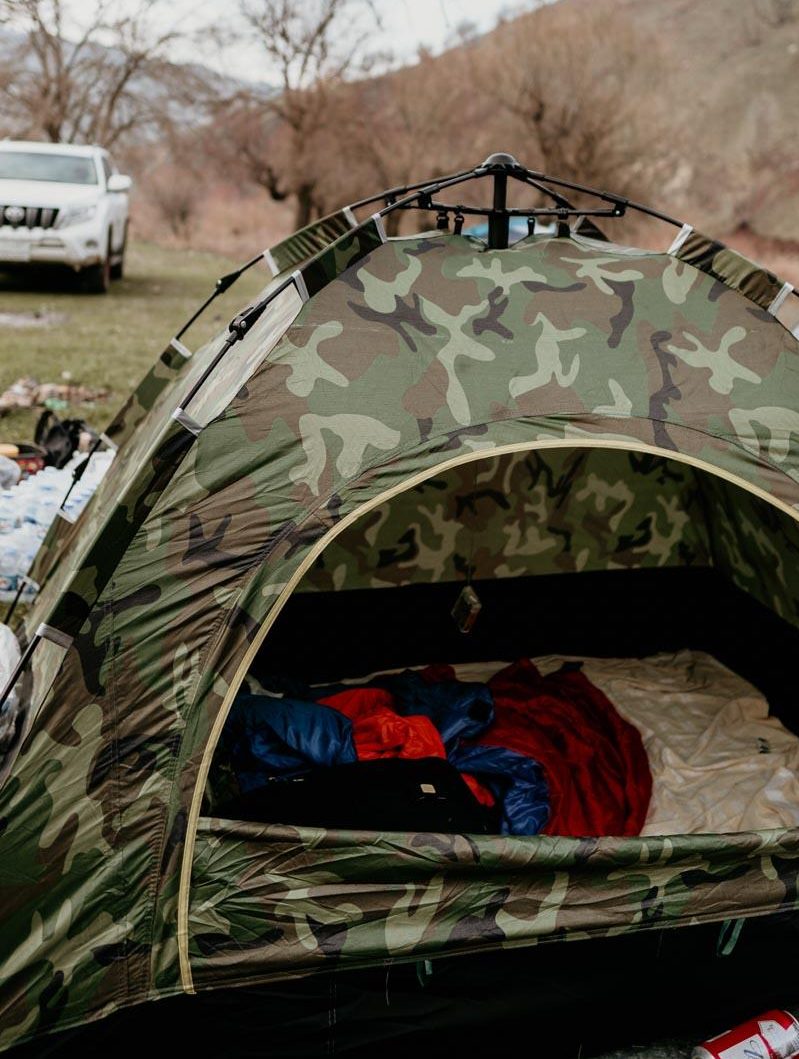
pixel 28 508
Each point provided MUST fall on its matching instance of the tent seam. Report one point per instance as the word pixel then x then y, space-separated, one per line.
pixel 174 773
pixel 213 641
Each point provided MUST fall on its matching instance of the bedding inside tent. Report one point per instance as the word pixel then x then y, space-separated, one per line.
pixel 646 588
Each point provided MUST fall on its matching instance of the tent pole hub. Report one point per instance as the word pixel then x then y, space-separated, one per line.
pixel 499 220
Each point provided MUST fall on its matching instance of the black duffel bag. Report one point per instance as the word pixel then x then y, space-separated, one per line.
pixel 390 794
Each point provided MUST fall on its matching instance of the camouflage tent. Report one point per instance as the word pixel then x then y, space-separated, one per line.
pixel 396 411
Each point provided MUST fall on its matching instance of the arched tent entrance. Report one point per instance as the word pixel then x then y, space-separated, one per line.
pixel 378 364
pixel 577 550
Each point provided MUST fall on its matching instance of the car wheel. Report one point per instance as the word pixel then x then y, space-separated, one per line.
pixel 97 278
pixel 118 267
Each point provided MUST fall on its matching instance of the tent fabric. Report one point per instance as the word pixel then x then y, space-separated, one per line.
pixel 152 456
pixel 419 893
pixel 411 356
pixel 525 513
pixel 310 240
pixel 568 511
pixel 730 268
pixel 167 368
pixel 154 390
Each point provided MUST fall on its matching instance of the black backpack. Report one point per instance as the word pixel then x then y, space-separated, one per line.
pixel 59 438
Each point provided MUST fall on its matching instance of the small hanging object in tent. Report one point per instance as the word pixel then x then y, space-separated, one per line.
pixel 467 607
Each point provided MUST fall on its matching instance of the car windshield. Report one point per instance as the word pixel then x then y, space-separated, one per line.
pixel 38 165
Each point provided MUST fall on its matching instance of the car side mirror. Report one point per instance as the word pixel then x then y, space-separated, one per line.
pixel 118 182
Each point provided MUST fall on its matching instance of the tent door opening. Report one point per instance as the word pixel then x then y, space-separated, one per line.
pixel 652 596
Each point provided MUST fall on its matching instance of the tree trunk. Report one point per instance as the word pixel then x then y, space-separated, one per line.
pixel 303 210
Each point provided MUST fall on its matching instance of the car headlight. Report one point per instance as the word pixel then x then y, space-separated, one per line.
pixel 76 215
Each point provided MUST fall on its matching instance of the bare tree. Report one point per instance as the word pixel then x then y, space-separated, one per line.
pixel 176 199
pixel 77 73
pixel 586 106
pixel 313 46
pixel 407 124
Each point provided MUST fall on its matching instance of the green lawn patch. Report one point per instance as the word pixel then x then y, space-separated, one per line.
pixel 109 341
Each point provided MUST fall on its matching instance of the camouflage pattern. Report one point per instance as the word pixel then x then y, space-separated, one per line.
pixel 155 398
pixel 521 515
pixel 419 895
pixel 409 357
pixel 310 240
pixel 731 268
pixel 73 586
pixel 755 546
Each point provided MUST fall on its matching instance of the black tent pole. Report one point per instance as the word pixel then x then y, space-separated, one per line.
pixel 498 220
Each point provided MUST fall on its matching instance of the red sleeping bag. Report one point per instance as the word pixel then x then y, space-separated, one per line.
pixel 594 761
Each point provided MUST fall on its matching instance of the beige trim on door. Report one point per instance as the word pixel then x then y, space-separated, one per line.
pixel 310 558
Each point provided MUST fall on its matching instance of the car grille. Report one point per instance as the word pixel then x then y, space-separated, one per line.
pixel 28 216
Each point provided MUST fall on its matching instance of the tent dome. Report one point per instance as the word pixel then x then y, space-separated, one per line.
pixel 378 368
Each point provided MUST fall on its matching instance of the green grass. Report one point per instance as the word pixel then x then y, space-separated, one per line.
pixel 111 340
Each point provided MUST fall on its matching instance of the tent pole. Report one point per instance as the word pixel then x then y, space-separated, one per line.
pixel 498 222
pixel 221 285
pixel 499 166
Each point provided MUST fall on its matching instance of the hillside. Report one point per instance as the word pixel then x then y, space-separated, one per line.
pixel 728 72
pixel 708 91
pixel 735 79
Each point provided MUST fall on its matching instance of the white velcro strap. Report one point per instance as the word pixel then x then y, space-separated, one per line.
pixel 178 347
pixel 49 632
pixel 680 238
pixel 109 444
pixel 779 298
pixel 186 421
pixel 381 229
pixel 299 283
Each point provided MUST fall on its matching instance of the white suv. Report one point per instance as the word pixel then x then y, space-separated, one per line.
pixel 63 205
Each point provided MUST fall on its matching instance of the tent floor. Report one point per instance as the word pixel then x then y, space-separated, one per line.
pixel 618 614
pixel 579 998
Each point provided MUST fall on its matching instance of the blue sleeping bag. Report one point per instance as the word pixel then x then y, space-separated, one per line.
pixel 516 781
pixel 459 709
pixel 267 737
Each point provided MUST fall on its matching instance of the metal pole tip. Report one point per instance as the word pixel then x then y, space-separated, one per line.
pixel 501 158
